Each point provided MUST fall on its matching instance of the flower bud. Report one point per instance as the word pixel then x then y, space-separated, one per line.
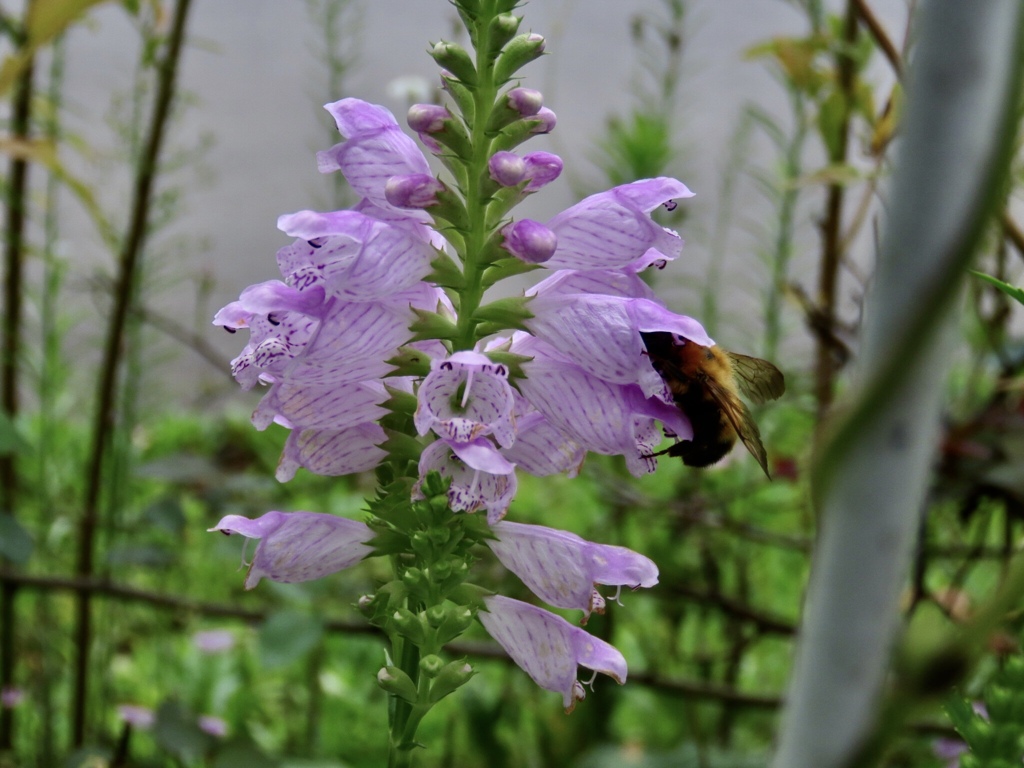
pixel 529 241
pixel 436 615
pixel 521 50
pixel 547 121
pixel 395 681
pixel 413 578
pixel 427 118
pixel 440 570
pixel 414 190
pixel 526 101
pixel 507 168
pixel 503 28
pixel 457 619
pixel 454 58
pixel 454 675
pixel 541 168
pixel 408 625
pixel 431 665
pixel 366 604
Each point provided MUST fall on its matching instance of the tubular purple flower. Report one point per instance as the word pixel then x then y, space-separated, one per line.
pixel 548 648
pixel 481 477
pixel 356 256
pixel 601 334
pixel 213 641
pixel 11 696
pixel 417 190
pixel 529 241
pixel 427 118
pixel 507 168
pixel 562 569
pixel 466 397
pixel 337 406
pixel 541 449
pixel 299 546
pixel 541 168
pixel 213 725
pixel 332 452
pixel 526 101
pixel 546 121
pixel 612 229
pixel 611 282
pixel 375 149
pixel 607 418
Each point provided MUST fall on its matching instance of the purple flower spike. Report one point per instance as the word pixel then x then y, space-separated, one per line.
pixel 466 397
pixel 213 725
pixel 299 546
pixel 561 568
pixel 548 648
pixel 547 121
pixel 417 190
pixel 427 118
pixel 529 241
pixel 612 229
pixel 526 101
pixel 541 168
pixel 507 168
pixel 481 477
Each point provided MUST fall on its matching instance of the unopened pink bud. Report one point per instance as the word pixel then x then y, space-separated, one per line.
pixel 530 241
pixel 507 168
pixel 541 168
pixel 547 121
pixel 427 118
pixel 526 101
pixel 414 190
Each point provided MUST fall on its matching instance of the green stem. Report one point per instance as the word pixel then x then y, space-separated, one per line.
pixel 476 174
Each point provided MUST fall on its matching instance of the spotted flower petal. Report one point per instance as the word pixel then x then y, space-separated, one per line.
pixel 466 397
pixel 299 546
pixel 561 568
pixel 548 648
pixel 481 477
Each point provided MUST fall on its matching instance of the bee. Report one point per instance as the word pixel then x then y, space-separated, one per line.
pixel 704 382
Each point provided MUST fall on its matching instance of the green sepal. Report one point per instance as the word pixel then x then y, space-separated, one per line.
pixel 457 619
pixel 510 360
pixel 398 683
pixel 454 58
pixel 515 134
pixel 520 51
pixel 452 677
pixel 400 401
pixel 508 313
pixel 502 201
pixel 384 601
pixel 454 137
pixel 409 625
pixel 402 446
pixel 471 595
pixel 455 166
pixel 462 96
pixel 503 114
pixel 446 273
pixel 508 266
pixel 409 362
pixel 431 325
pixel 450 207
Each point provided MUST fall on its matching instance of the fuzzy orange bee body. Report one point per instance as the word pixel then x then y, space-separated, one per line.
pixel 704 382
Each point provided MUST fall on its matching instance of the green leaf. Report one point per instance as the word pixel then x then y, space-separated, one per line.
pixel 15 542
pixel 403 447
pixel 503 268
pixel 431 325
pixel 166 514
pixel 508 313
pixel 177 730
pixel 410 362
pixel 1015 293
pixel 446 272
pixel 287 636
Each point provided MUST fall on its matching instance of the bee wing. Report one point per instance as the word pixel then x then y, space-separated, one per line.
pixel 757 379
pixel 742 421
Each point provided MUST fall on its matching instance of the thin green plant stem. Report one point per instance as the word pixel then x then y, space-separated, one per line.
pixel 14 253
pixel 870 478
pixel 106 394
